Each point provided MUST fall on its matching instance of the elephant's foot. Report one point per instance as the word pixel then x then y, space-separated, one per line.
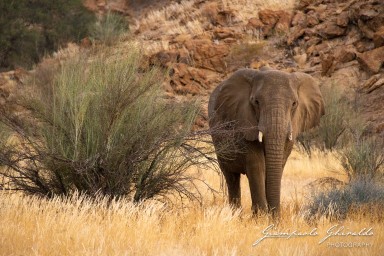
pixel 258 210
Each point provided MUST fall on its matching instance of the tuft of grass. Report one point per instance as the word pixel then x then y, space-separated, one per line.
pixel 339 202
pixel 335 121
pixel 109 28
pixel 101 126
pixel 364 159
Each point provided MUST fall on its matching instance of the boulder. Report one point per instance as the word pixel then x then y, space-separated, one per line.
pixel 330 29
pixel 372 60
pixel 187 80
pixel 278 20
pixel 299 19
pixel 345 54
pixel 216 15
pixel 312 19
pixel 282 25
pixel 254 23
pixel 367 13
pixel 295 33
pixel 364 45
pixel 327 64
pixel 373 83
pixel 378 37
pixel 222 33
pixel 343 19
pixel 367 32
pixel 208 55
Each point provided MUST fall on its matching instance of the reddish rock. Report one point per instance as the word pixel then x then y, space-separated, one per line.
pixel 372 83
pixel 342 19
pixel 323 12
pixel 222 33
pixel 299 19
pixel 295 33
pixel 315 50
pixel 216 15
pixel 278 20
pixel 312 19
pixel 327 64
pixel 345 54
pixel 269 17
pixel 187 80
pixel 372 60
pixel 367 32
pixel 364 45
pixel 206 54
pixel 313 41
pixel 282 25
pixel 330 30
pixel 254 23
pixel 230 40
pixel 378 37
pixel 367 13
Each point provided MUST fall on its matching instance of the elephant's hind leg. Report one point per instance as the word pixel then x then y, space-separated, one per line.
pixel 233 184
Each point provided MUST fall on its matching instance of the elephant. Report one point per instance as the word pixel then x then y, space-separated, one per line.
pixel 263 111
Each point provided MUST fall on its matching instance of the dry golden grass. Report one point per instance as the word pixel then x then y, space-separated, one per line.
pixel 77 226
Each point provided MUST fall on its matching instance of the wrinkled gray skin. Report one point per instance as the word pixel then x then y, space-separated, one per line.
pixel 280 105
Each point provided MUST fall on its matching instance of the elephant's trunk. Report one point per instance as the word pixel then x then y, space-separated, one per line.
pixel 275 139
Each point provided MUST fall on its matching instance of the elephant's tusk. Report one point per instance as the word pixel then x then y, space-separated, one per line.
pixel 290 136
pixel 260 136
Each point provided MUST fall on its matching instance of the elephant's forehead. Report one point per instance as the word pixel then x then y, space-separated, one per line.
pixel 275 80
pixel 276 77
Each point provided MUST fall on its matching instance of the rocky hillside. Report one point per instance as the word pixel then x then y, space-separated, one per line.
pixel 339 42
pixel 201 42
pixel 343 41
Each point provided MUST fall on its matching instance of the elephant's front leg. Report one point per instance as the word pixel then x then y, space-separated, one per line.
pixel 233 184
pixel 256 177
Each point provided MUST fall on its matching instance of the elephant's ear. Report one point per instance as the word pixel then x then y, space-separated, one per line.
pixel 310 103
pixel 233 104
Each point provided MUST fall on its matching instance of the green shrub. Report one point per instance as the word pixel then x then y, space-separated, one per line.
pixel 31 29
pixel 101 126
pixel 109 28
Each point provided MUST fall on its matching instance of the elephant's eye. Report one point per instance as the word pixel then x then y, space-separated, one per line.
pixel 256 102
pixel 294 104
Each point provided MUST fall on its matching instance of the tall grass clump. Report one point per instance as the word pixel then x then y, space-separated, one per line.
pixel 364 159
pixel 335 121
pixel 102 126
pixel 109 28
